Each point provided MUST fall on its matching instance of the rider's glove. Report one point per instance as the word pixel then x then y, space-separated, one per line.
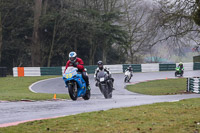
pixel 74 64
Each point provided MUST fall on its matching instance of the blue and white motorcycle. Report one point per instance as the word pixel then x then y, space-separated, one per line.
pixel 76 84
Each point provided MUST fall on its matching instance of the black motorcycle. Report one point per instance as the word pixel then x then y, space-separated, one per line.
pixel 105 84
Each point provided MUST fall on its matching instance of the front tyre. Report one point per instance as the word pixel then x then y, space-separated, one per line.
pixel 126 79
pixel 72 88
pixel 175 74
pixel 104 90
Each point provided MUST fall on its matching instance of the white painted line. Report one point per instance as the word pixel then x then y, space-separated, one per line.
pixel 30 87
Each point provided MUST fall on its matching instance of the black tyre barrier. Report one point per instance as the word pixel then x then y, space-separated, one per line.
pixel 3 71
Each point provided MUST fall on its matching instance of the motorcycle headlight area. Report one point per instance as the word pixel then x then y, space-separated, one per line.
pixel 70 75
pixel 102 79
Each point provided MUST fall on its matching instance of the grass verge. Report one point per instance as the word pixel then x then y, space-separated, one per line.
pixel 16 88
pixel 176 117
pixel 160 87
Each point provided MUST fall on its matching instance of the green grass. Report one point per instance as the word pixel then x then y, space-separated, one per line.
pixel 168 117
pixel 176 117
pixel 16 88
pixel 160 87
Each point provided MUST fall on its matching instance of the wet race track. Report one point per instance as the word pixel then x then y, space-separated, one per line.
pixel 18 112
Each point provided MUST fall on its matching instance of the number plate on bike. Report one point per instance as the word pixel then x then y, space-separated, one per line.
pixel 101 79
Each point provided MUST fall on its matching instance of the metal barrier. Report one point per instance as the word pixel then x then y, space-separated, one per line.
pixel 196 66
pixel 167 67
pixel 136 67
pixel 3 71
pixel 118 68
pixel 154 67
pixel 51 70
pixel 193 85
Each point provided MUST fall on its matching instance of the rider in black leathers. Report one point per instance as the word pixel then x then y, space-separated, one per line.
pixel 102 68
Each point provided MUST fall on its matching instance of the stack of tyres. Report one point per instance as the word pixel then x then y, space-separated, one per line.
pixel 3 71
pixel 193 84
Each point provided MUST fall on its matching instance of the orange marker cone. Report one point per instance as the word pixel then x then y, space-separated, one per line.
pixel 166 78
pixel 54 97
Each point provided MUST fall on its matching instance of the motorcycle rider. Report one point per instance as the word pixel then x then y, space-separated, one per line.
pixel 130 69
pixel 77 62
pixel 102 68
pixel 180 65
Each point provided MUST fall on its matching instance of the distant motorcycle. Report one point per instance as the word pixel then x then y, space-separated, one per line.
pixel 76 84
pixel 104 83
pixel 127 76
pixel 179 72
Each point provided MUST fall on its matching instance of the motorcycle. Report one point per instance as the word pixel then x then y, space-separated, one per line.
pixel 179 72
pixel 127 76
pixel 76 84
pixel 104 84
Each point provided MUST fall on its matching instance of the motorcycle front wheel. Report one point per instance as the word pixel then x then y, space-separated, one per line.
pixel 126 79
pixel 72 88
pixel 175 74
pixel 104 90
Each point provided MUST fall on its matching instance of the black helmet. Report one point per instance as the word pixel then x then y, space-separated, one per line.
pixel 100 64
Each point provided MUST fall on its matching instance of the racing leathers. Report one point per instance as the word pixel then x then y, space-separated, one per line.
pixel 109 75
pixel 79 64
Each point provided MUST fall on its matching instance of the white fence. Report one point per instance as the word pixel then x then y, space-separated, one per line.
pixel 154 67
pixel 15 72
pixel 115 68
pixel 187 66
pixel 28 71
pixel 150 67
pixel 32 71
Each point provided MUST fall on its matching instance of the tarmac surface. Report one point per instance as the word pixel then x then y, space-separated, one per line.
pixel 13 113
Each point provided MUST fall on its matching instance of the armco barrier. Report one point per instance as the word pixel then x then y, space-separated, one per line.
pixel 15 72
pixel 196 66
pixel 26 71
pixel 136 67
pixel 51 70
pixel 115 68
pixel 91 69
pixel 167 67
pixel 193 85
pixel 150 67
pixel 32 71
pixel 3 71
pixel 38 71
pixel 187 66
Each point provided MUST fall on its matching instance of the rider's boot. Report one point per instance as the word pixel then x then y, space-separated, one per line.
pixel 96 84
pixel 88 87
pixel 111 85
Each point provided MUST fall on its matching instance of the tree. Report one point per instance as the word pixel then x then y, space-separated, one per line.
pixel 35 49
pixel 138 21
pixel 1 42
pixel 176 21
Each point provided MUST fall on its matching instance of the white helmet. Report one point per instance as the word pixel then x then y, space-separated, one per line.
pixel 72 56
